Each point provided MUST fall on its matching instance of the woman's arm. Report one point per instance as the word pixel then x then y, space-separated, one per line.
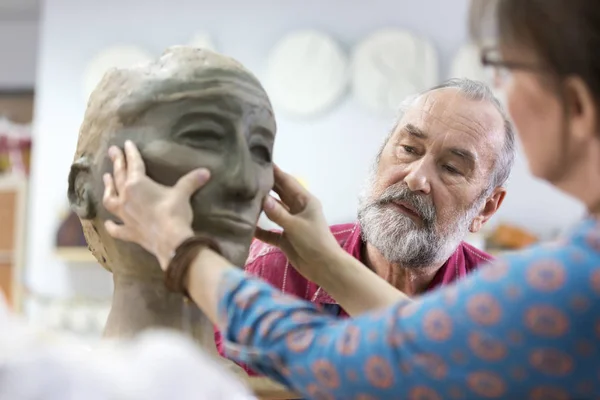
pixel 204 279
pixel 208 268
pixel 355 287
pixel 506 331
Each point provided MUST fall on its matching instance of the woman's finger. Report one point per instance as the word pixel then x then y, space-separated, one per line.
pixel 135 163
pixel 110 199
pixel 269 237
pixel 276 212
pixel 189 184
pixel 119 168
pixel 291 192
pixel 282 204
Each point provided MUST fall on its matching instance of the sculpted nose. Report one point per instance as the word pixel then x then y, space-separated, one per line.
pixel 241 180
pixel 417 179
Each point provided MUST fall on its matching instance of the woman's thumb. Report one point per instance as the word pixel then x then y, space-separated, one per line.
pixel 189 184
pixel 276 212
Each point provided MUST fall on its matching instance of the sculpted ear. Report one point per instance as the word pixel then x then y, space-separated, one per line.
pixel 80 192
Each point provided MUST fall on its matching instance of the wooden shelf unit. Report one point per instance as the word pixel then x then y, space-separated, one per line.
pixel 13 210
pixel 74 254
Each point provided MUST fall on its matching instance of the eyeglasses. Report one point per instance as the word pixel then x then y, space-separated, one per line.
pixel 500 71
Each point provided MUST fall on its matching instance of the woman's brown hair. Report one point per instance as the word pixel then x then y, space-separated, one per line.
pixel 564 34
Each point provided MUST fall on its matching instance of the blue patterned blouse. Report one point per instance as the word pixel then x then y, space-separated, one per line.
pixel 527 327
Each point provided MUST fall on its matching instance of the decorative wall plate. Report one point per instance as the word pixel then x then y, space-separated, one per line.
pixel 307 73
pixel 113 57
pixel 466 64
pixel 390 65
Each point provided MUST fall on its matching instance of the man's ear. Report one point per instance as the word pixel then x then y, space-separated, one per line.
pixel 80 192
pixel 492 204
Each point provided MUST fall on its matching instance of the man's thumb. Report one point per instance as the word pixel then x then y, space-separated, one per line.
pixel 189 184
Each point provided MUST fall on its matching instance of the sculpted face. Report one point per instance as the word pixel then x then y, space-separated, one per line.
pixel 430 185
pixel 199 109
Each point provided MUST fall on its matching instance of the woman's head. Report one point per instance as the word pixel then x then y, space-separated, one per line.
pixel 545 55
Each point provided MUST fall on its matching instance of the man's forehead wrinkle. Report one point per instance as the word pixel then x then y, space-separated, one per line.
pixel 443 112
pixel 479 127
pixel 456 121
pixel 429 103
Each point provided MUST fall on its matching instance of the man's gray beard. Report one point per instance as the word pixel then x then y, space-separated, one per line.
pixel 397 236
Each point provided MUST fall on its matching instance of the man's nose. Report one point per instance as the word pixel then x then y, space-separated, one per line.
pixel 417 178
pixel 241 180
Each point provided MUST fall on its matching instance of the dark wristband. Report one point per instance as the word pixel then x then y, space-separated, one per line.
pixel 182 259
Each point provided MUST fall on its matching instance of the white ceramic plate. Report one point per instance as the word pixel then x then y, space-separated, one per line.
pixel 307 73
pixel 389 65
pixel 466 64
pixel 113 57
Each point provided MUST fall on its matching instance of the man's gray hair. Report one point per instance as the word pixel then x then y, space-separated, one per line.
pixel 478 91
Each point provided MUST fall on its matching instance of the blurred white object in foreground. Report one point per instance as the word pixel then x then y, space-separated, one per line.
pixel 157 365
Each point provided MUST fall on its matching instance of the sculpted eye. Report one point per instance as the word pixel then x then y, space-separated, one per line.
pixel 262 153
pixel 201 138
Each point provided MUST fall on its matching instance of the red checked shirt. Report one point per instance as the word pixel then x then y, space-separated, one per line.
pixel 270 264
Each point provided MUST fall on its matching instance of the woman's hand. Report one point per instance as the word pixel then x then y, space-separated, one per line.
pixel 156 217
pixel 312 249
pixel 306 239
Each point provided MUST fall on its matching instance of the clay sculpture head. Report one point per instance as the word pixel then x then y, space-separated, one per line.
pixel 191 108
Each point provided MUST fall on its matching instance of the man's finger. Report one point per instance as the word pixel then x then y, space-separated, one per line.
pixel 119 168
pixel 135 163
pixel 189 184
pixel 291 192
pixel 269 237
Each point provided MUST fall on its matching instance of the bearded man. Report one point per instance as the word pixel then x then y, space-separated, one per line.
pixel 439 175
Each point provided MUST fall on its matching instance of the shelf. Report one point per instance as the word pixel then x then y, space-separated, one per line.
pixel 12 181
pixel 75 254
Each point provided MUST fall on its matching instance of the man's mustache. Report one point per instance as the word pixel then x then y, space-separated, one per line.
pixel 422 204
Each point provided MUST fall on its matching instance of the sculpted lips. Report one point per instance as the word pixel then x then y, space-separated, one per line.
pixel 229 222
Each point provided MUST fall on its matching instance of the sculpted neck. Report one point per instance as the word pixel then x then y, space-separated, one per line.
pixel 409 281
pixel 140 304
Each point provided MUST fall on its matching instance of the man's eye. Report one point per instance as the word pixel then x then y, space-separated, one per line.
pixel 452 170
pixel 409 149
pixel 261 152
